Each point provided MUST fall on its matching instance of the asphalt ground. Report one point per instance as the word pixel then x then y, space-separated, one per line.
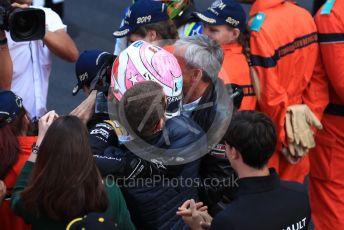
pixel 91 24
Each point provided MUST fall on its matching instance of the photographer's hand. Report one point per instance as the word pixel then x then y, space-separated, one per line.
pixel 86 109
pixel 17 5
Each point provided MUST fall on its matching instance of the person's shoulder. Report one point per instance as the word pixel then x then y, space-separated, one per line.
pixel 294 193
pixel 224 219
pixel 331 10
pixel 45 9
pixel 184 132
pixel 50 16
pixel 183 125
pixel 293 186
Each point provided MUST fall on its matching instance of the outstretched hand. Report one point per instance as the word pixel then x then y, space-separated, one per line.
pixel 86 109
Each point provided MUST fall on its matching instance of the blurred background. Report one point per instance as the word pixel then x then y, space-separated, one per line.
pixel 91 24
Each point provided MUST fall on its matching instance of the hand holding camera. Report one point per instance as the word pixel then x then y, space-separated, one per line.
pixel 23 22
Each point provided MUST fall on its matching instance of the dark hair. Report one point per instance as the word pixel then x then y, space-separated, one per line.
pixel 65 182
pixel 144 105
pixel 18 124
pixel 167 31
pixel 253 134
pixel 9 150
pixel 244 40
pixel 9 144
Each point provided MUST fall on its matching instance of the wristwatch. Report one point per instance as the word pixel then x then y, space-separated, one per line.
pixel 35 148
pixel 34 152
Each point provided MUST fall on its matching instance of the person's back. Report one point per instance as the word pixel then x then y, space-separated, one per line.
pixel 326 159
pixel 153 206
pixel 284 52
pixel 153 200
pixel 290 46
pixel 262 200
pixel 266 203
pixel 72 179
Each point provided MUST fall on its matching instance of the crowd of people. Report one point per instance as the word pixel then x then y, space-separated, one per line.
pixel 197 120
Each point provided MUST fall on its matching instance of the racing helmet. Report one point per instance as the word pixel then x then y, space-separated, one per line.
pixel 142 61
pixel 176 8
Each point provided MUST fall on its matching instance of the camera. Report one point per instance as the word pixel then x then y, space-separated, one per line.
pixel 23 24
pixel 101 84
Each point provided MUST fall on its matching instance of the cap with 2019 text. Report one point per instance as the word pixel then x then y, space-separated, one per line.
pixel 224 12
pixel 141 13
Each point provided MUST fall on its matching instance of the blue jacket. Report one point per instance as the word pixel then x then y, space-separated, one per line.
pixel 154 191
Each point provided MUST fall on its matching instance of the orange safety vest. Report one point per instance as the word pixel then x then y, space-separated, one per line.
pixel 8 220
pixel 327 159
pixel 235 70
pixel 284 52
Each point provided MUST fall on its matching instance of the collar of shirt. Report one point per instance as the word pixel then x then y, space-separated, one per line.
pixel 261 5
pixel 190 107
pixel 235 48
pixel 252 185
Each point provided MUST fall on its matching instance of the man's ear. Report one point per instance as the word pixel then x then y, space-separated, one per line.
pixel 196 75
pixel 231 152
pixel 235 153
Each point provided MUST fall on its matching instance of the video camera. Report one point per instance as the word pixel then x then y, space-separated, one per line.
pixel 24 24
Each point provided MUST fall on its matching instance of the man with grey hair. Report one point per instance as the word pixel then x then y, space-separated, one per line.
pixel 200 59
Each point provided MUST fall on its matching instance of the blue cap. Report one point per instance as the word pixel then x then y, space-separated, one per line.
pixel 10 105
pixel 88 65
pixel 224 12
pixel 141 13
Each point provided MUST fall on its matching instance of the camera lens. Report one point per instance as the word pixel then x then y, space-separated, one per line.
pixel 24 25
pixel 27 24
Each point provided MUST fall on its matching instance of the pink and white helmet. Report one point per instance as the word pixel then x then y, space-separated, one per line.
pixel 142 61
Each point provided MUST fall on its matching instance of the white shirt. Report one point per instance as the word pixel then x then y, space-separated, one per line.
pixel 32 67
